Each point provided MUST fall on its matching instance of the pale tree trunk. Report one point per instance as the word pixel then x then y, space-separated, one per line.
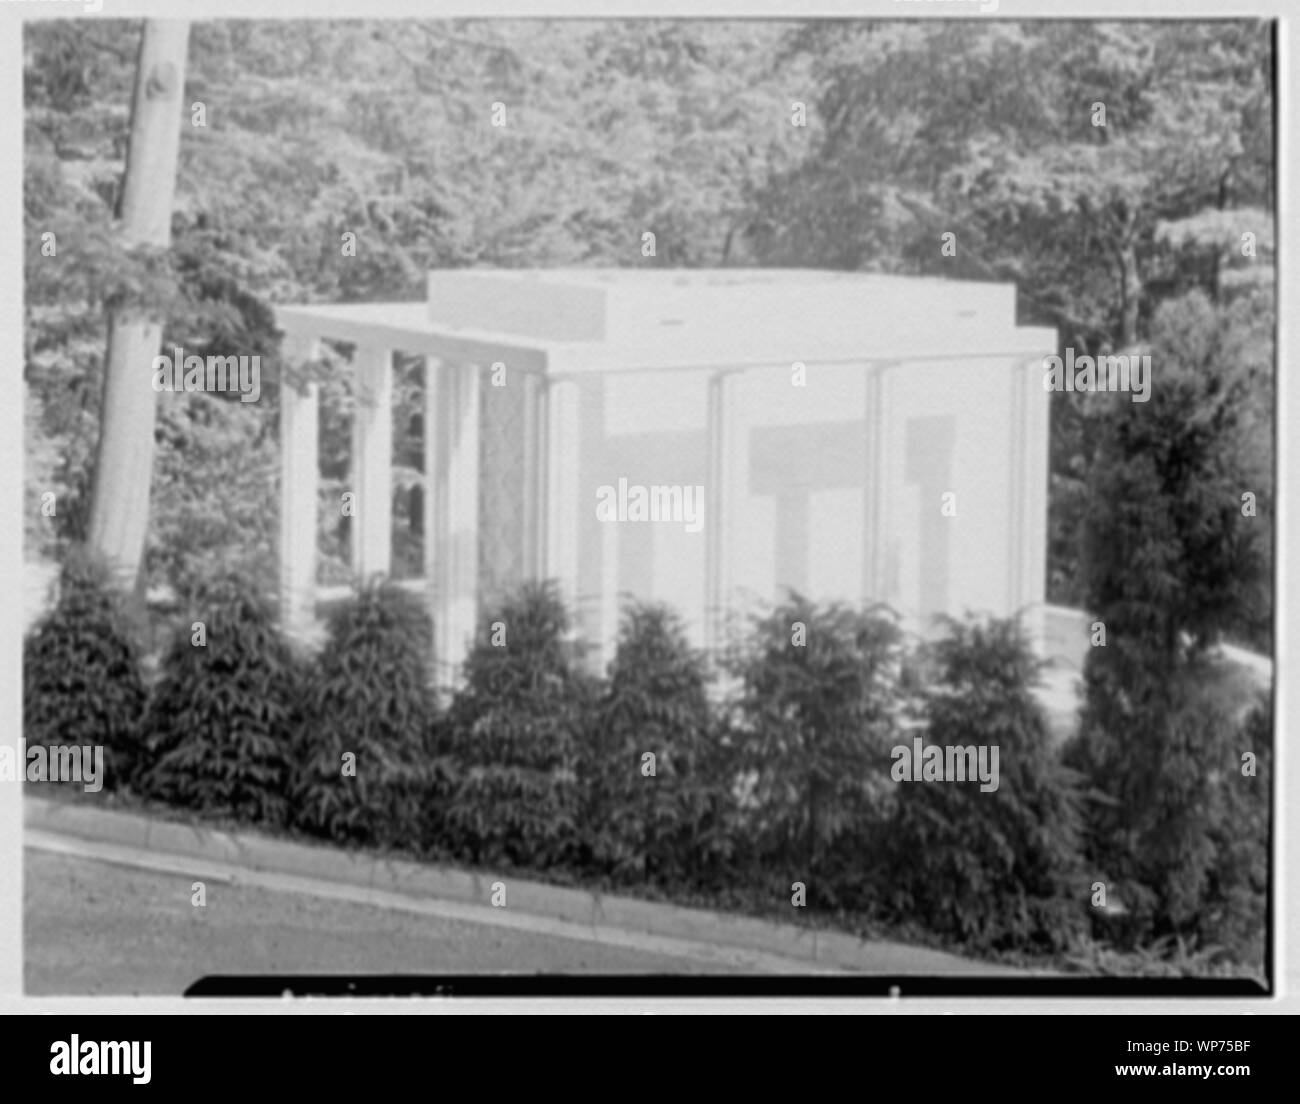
pixel 1130 279
pixel 119 506
pixel 1130 295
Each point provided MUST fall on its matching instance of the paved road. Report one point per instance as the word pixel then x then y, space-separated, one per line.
pixel 91 927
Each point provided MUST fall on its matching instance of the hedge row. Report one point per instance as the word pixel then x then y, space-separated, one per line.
pixel 640 777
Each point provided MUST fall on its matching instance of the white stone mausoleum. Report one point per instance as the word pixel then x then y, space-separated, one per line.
pixel 853 437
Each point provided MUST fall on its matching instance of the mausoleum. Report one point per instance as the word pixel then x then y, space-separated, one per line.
pixel 705 438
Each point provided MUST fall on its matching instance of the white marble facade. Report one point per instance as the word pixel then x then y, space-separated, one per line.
pixel 854 437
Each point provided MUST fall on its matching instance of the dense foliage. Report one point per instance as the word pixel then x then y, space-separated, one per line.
pixel 653 809
pixel 996 868
pixel 81 673
pixel 222 714
pixel 362 769
pixel 1177 558
pixel 819 706
pixel 1176 826
pixel 514 731
pixel 785 777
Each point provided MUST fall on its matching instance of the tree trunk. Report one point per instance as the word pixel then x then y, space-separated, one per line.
pixel 1131 294
pixel 119 509
pixel 1130 281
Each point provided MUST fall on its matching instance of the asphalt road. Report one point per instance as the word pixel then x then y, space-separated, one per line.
pixel 90 927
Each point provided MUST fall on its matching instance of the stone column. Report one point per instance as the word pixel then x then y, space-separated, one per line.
pixel 451 531
pixel 299 489
pixel 724 462
pixel 1031 432
pixel 607 639
pixel 534 480
pixel 372 462
pixel 877 488
pixel 432 468
pixel 563 452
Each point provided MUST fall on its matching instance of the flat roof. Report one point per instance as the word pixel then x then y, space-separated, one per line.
pixel 718 277
pixel 622 319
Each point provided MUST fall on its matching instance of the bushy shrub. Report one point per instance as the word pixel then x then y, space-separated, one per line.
pixel 653 819
pixel 81 674
pixel 1174 825
pixel 1234 915
pixel 221 716
pixel 369 698
pixel 997 869
pixel 818 706
pixel 513 731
